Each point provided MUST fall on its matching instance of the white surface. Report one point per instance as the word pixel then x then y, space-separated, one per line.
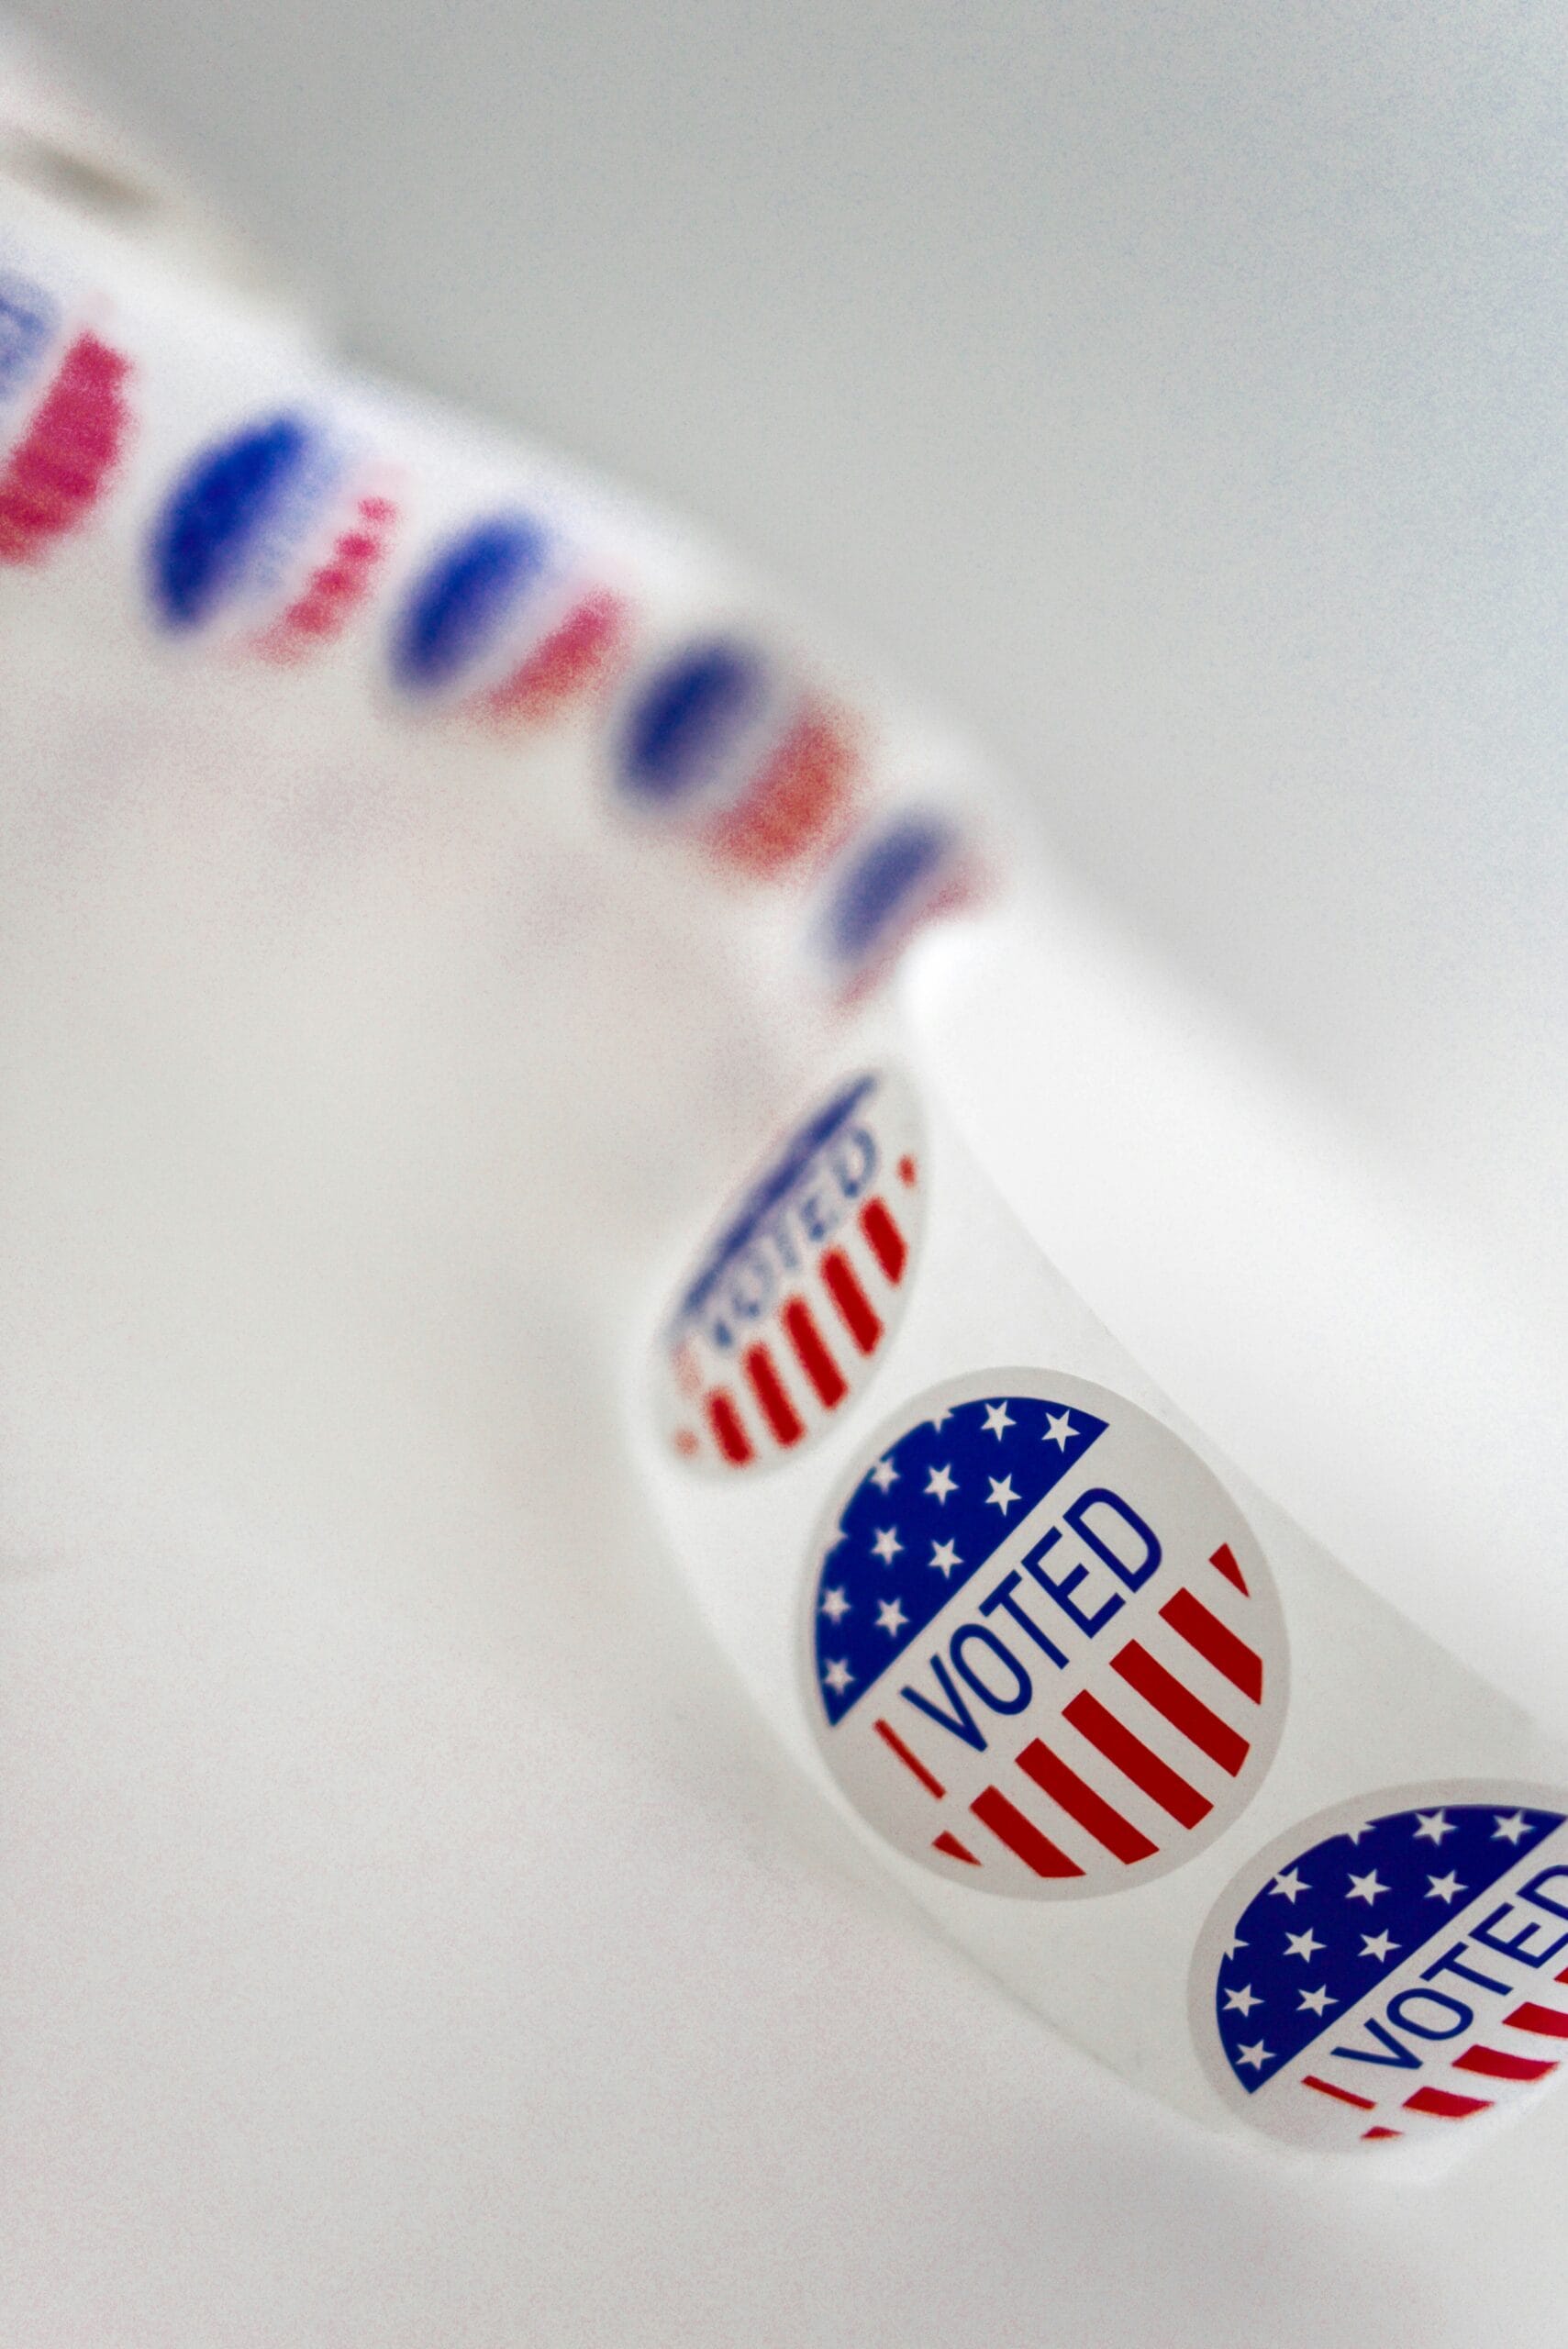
pixel 408 1936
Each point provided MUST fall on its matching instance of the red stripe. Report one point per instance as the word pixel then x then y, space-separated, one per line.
pixel 728 1431
pixel 777 1409
pixel 1551 2021
pixel 890 1736
pixel 1225 1559
pixel 1021 1836
pixel 1326 2087
pixel 953 1848
pixel 884 1239
pixel 1445 2105
pixel 1135 1761
pixel 1380 2133
pixel 1053 1777
pixel 854 1304
pixel 1493 2064
pixel 1216 1643
pixel 814 1359
pixel 1184 1711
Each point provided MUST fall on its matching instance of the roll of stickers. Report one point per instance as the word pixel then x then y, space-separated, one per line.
pixel 1111 1720
pixel 1114 1723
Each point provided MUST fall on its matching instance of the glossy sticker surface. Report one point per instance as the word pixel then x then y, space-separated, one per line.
pixel 790 1307
pixel 1043 1651
pixel 1392 1969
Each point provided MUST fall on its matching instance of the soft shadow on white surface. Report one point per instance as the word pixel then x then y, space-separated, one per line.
pixel 410 1935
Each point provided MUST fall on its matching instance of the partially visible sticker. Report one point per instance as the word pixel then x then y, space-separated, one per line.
pixel 1392 1968
pixel 792 1304
pixel 272 537
pixel 911 868
pixel 724 743
pixel 506 622
pixel 1043 1651
pixel 64 419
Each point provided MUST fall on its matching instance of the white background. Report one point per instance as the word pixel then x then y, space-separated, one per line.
pixel 409 1938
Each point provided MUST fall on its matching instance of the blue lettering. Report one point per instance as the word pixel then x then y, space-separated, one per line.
pixel 960 1721
pixel 1134 1576
pixel 1532 1891
pixel 1398 2012
pixel 1003 1596
pixel 1517 1948
pixel 1405 2057
pixel 976 1635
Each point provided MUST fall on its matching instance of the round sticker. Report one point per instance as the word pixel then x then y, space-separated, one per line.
pixel 504 620
pixel 1392 1967
pixel 792 1304
pixel 1045 1655
pixel 64 419
pixel 275 535
pixel 902 874
pixel 724 743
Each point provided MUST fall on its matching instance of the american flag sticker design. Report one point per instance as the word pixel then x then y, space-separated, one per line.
pixel 791 1307
pixel 1393 1969
pixel 271 538
pixel 725 743
pixel 503 623
pixel 1044 1654
pixel 65 419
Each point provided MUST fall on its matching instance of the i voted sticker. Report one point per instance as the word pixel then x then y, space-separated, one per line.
pixel 1393 1968
pixel 272 537
pixel 507 622
pixel 792 1303
pixel 65 418
pixel 724 743
pixel 1043 1651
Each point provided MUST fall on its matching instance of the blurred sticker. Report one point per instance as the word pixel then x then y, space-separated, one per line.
pixel 1393 1968
pixel 274 536
pixel 909 869
pixel 504 622
pixel 65 418
pixel 1044 1653
pixel 723 742
pixel 792 1304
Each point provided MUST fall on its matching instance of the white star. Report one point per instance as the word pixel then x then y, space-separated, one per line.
pixel 1315 2001
pixel 944 1557
pixel 1354 1834
pixel 887 1545
pixel 1243 2000
pixel 1289 1883
pixel 1233 1944
pixel 1304 1944
pixel 996 1420
pixel 1366 1887
pixel 835 1606
pixel 939 1418
pixel 1378 1945
pixel 883 1474
pixel 891 1617
pixel 1001 1495
pixel 1444 1887
pixel 940 1484
pixel 1257 2054
pixel 1510 1829
pixel 836 1676
pixel 1058 1430
pixel 1434 1826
